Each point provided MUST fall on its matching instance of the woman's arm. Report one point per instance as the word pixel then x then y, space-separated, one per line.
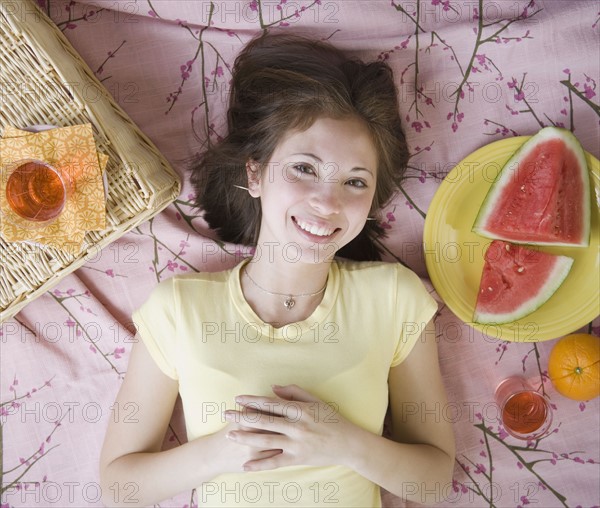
pixel 133 470
pixel 418 462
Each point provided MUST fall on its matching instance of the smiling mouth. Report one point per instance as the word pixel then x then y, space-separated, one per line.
pixel 314 229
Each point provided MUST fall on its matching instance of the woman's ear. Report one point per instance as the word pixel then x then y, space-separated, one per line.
pixel 253 174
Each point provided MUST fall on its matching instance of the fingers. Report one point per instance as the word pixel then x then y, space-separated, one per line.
pixel 291 401
pixel 267 454
pixel 269 405
pixel 261 412
pixel 287 393
pixel 239 426
pixel 264 464
pixel 293 392
pixel 263 455
pixel 256 421
pixel 260 440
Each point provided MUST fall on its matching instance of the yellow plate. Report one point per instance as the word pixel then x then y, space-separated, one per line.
pixel 454 254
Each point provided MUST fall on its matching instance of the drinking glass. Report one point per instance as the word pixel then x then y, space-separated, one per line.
pixel 36 191
pixel 525 413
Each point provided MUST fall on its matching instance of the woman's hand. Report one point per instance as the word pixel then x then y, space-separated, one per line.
pixel 306 430
pixel 233 457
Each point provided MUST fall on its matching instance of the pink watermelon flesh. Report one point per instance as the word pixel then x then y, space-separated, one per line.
pixel 543 202
pixel 516 281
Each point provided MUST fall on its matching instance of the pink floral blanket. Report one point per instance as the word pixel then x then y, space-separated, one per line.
pixel 469 72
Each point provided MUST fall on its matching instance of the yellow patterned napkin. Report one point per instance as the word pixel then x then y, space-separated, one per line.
pixel 72 150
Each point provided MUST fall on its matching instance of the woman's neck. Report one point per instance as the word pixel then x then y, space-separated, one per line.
pixel 282 292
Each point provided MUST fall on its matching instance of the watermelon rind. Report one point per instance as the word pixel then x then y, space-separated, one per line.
pixel 553 282
pixel 504 176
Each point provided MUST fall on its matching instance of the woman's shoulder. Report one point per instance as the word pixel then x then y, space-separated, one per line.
pixel 192 281
pixel 202 277
pixel 379 276
pixel 373 268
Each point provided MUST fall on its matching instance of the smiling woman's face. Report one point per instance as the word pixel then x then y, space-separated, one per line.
pixel 316 191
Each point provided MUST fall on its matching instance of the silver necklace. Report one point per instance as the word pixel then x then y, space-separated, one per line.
pixel 289 301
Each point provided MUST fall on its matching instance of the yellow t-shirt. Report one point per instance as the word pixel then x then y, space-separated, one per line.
pixel 201 331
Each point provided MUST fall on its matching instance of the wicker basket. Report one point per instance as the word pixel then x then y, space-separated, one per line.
pixel 41 77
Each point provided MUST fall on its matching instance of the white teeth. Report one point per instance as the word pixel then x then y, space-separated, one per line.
pixel 315 230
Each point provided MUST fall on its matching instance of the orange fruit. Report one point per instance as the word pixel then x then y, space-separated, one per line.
pixel 574 366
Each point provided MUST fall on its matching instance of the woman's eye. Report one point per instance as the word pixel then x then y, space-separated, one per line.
pixel 356 182
pixel 304 168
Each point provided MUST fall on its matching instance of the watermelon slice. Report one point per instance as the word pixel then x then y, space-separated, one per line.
pixel 516 281
pixel 542 194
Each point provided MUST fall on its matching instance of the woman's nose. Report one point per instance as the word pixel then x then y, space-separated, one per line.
pixel 325 198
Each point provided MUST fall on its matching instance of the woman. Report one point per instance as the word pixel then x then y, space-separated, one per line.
pixel 287 363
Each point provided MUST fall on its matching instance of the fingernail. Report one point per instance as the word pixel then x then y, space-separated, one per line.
pixel 276 386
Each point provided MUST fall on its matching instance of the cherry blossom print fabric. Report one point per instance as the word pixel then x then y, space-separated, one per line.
pixel 469 72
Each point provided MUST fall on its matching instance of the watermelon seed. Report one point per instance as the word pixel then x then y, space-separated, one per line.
pixel 490 288
pixel 522 188
pixel 520 269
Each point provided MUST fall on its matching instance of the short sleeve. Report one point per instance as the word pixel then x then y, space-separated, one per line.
pixel 156 322
pixel 414 309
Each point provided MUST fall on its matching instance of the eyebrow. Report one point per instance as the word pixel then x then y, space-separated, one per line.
pixel 319 160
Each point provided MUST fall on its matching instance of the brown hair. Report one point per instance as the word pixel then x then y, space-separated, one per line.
pixel 282 83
